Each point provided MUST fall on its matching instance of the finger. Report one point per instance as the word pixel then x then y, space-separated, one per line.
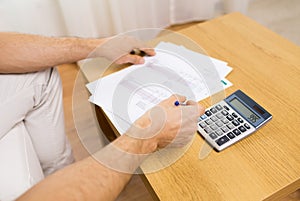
pixel 174 100
pixel 190 102
pixel 175 97
pixel 170 102
pixel 139 45
pixel 201 109
pixel 148 51
pixel 179 98
pixel 134 59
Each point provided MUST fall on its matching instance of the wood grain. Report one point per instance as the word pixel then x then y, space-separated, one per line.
pixel 266 165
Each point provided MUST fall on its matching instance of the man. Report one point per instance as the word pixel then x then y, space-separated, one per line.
pixel 30 92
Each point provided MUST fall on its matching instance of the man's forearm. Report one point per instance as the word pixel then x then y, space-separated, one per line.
pixel 22 53
pixel 101 177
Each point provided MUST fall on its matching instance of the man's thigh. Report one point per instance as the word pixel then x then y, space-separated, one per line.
pixel 36 99
pixel 18 96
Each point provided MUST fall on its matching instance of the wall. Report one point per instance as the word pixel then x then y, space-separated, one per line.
pixel 32 16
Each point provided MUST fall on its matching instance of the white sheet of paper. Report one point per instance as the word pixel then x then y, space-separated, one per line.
pixel 129 93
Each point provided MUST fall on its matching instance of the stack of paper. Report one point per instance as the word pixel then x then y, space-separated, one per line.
pixel 127 94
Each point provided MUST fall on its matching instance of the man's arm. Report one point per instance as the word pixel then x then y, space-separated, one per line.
pixel 21 53
pixel 103 176
pixel 89 179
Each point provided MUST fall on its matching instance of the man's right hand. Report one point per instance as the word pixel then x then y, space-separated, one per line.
pixel 167 124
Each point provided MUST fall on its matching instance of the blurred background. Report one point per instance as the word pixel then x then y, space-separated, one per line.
pixel 101 18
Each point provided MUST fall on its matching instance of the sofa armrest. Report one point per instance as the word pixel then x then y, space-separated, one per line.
pixel 20 168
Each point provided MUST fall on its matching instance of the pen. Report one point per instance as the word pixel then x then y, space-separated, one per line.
pixel 176 103
pixel 138 52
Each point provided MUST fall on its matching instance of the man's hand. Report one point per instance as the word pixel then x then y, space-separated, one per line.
pixel 118 49
pixel 167 124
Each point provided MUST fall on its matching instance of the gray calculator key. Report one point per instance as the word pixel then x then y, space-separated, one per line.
pixel 214 118
pixel 202 124
pixel 214 127
pixel 213 110
pixel 225 121
pixel 219 123
pixel 219 132
pixel 230 126
pixel 219 107
pixel 224 112
pixel 225 129
pixel 208 121
pixel 208 130
pixel 219 115
pixel 213 136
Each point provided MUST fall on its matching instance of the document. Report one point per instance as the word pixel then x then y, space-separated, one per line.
pixel 127 94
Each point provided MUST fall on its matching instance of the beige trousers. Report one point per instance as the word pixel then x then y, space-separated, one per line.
pixel 35 100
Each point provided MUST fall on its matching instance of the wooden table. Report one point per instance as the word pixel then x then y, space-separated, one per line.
pixel 266 165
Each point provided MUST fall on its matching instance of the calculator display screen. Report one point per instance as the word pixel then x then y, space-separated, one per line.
pixel 244 110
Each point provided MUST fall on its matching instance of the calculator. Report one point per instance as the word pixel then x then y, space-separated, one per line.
pixel 231 120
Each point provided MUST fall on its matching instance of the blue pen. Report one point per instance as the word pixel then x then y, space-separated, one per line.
pixel 176 103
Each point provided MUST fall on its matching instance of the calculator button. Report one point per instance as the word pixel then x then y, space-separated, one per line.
pixel 214 118
pixel 225 121
pixel 230 126
pixel 235 122
pixel 231 135
pixel 208 113
pixel 219 107
pixel 222 140
pixel 202 124
pixel 242 128
pixel 226 107
pixel 219 123
pixel 225 129
pixel 234 115
pixel 214 127
pixel 247 126
pixel 203 117
pixel 209 121
pixel 229 117
pixel 208 130
pixel 219 115
pixel 213 110
pixel 219 132
pixel 224 112
pixel 236 132
pixel 240 120
pixel 213 136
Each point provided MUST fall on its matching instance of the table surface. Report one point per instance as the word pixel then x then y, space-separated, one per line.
pixel 265 165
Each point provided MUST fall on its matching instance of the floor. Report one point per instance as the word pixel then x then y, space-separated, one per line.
pixel 281 16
